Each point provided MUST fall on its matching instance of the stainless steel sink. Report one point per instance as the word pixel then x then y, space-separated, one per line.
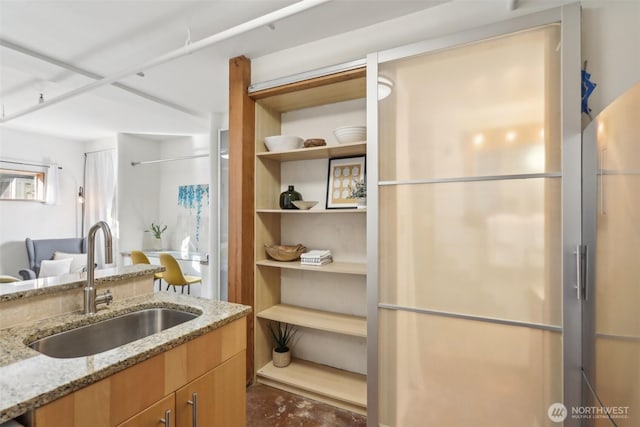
pixel 110 333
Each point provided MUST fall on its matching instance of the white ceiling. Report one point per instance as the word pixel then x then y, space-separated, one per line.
pixel 105 37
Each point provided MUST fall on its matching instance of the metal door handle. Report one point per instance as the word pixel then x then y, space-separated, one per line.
pixel 580 255
pixel 603 159
pixel 194 409
pixel 167 418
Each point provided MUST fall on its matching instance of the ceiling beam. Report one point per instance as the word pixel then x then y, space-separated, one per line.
pixel 70 67
pixel 186 50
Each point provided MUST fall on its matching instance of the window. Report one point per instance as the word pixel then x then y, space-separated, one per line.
pixel 22 185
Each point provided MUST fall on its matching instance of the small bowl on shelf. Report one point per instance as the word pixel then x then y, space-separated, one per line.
pixel 314 142
pixel 347 134
pixel 282 142
pixel 304 204
pixel 284 252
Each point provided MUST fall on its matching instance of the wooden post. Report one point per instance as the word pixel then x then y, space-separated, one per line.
pixel 241 197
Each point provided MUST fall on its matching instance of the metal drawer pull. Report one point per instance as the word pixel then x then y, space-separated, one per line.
pixel 194 410
pixel 167 418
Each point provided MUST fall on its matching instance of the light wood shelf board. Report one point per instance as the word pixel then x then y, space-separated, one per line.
pixel 328 89
pixel 311 211
pixel 334 267
pixel 313 153
pixel 317 319
pixel 319 81
pixel 334 386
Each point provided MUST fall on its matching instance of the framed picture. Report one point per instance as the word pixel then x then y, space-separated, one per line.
pixel 344 173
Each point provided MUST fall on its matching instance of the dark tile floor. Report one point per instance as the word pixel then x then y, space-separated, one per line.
pixel 270 407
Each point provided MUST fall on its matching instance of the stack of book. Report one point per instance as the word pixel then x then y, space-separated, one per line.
pixel 316 257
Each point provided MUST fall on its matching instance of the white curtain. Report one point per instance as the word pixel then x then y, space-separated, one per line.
pixel 52 183
pixel 100 197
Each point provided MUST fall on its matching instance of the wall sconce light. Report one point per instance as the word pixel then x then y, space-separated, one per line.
pixel 385 86
pixel 80 195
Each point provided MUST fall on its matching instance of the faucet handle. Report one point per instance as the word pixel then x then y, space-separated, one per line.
pixel 105 298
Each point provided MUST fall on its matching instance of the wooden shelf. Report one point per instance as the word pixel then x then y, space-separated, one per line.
pixel 311 211
pixel 317 319
pixel 358 268
pixel 336 387
pixel 326 152
pixel 342 86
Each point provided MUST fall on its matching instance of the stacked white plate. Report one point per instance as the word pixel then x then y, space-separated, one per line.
pixel 347 134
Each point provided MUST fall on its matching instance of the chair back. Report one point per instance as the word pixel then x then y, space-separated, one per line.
pixel 138 257
pixel 173 274
pixel 38 250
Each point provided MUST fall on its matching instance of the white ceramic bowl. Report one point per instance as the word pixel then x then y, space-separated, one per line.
pixel 346 134
pixel 304 204
pixel 283 142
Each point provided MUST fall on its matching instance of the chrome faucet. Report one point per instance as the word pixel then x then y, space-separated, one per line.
pixel 91 299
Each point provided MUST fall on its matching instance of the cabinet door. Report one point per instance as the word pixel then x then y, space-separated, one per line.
pixel 216 399
pixel 155 415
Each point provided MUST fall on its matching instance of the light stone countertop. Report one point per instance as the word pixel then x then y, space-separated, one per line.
pixel 28 288
pixel 29 379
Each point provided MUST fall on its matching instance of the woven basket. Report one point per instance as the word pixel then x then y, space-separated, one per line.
pixel 284 253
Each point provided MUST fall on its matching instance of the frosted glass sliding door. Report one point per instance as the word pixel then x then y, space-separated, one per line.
pixel 470 218
pixel 613 319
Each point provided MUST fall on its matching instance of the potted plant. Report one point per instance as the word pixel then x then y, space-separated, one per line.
pixel 282 335
pixel 359 191
pixel 157 230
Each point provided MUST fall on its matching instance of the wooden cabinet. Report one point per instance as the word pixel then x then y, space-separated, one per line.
pixel 217 398
pixel 212 366
pixel 333 372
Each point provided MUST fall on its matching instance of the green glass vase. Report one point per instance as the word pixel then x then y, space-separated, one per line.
pixel 287 197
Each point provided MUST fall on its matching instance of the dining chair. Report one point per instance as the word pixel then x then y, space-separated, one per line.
pixel 138 257
pixel 174 276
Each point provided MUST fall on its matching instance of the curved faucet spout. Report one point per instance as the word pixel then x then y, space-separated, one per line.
pixel 90 299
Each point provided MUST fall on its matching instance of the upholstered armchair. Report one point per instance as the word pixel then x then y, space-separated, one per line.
pixel 39 250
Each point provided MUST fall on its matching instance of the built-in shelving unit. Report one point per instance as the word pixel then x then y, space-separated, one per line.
pixel 340 230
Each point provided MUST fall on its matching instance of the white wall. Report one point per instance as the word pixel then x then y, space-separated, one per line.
pixel 611 47
pixel 181 172
pixel 138 191
pixel 19 220
pixel 101 144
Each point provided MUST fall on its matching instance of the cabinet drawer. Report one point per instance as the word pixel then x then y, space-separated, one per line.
pixel 152 416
